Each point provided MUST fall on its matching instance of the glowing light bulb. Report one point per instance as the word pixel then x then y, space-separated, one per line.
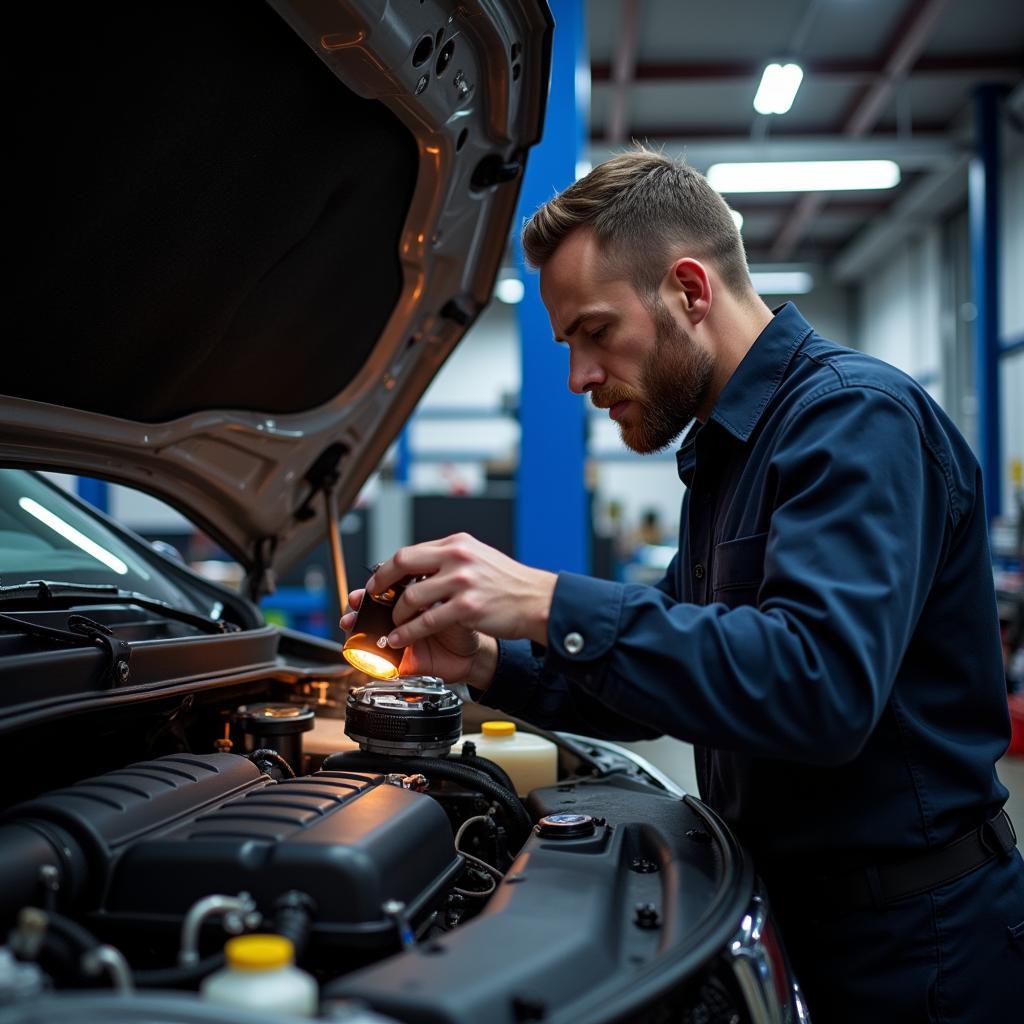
pixel 372 664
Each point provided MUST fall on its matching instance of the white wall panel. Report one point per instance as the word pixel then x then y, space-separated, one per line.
pixel 899 308
pixel 828 309
pixel 484 368
pixel 497 437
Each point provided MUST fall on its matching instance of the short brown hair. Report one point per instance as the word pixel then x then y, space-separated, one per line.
pixel 643 206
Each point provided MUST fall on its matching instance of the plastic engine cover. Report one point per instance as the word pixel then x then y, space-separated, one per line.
pixel 156 837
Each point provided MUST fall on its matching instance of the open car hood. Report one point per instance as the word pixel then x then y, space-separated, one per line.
pixel 246 237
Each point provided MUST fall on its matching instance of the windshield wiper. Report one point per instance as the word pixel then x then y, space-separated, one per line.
pixel 49 594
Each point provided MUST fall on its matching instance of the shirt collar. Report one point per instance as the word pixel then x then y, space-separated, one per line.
pixel 753 384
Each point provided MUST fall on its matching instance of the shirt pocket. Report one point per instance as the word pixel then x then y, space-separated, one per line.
pixel 739 570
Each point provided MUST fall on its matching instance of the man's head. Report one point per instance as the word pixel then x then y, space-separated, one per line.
pixel 630 257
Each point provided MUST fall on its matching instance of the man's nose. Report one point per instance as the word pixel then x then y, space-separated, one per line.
pixel 584 374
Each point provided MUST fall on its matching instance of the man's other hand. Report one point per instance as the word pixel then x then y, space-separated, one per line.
pixel 460 582
pixel 456 654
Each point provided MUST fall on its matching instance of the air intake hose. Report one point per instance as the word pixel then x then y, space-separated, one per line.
pixel 466 775
pixel 470 757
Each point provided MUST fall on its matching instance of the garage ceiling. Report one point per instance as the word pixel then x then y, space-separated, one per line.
pixel 882 79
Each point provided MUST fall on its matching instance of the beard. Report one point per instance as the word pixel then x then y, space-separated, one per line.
pixel 674 383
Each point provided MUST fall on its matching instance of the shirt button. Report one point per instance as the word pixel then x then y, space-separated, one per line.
pixel 698 571
pixel 573 643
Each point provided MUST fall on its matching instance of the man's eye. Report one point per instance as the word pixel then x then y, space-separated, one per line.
pixel 597 334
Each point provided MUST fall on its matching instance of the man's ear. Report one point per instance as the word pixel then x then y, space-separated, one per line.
pixel 689 286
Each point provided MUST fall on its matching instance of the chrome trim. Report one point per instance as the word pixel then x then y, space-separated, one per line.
pixel 656 774
pixel 754 971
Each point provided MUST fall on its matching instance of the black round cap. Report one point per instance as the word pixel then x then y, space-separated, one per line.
pixel 565 826
pixel 275 719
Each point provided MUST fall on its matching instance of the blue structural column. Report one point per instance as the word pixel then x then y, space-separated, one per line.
pixel 96 492
pixel 983 197
pixel 403 455
pixel 552 518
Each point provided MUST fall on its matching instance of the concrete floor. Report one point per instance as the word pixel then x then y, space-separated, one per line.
pixel 675 759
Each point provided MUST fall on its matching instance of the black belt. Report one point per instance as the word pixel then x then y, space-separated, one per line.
pixel 875 887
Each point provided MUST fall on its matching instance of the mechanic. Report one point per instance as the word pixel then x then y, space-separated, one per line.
pixel 826 634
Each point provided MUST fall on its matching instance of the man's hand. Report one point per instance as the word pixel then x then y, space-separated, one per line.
pixel 456 655
pixel 467 586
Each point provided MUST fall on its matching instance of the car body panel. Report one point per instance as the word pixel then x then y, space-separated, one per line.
pixel 251 476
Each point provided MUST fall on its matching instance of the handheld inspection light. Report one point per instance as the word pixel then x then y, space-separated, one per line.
pixel 367 645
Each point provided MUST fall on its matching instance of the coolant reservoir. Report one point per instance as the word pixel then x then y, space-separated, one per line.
pixel 531 761
pixel 260 975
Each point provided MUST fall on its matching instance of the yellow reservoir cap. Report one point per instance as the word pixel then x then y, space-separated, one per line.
pixel 498 728
pixel 259 952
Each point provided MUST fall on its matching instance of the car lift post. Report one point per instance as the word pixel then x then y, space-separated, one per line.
pixel 552 515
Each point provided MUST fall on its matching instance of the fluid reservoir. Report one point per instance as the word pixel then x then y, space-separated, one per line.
pixel 261 975
pixel 530 761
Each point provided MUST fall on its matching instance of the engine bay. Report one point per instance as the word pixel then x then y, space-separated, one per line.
pixel 411 880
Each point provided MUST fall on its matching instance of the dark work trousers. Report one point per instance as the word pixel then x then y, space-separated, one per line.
pixel 954 955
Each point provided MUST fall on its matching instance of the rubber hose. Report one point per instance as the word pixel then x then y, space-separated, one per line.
pixel 178 977
pixel 71 931
pixel 273 757
pixel 496 772
pixel 294 920
pixel 442 768
pixel 64 944
pixel 73 937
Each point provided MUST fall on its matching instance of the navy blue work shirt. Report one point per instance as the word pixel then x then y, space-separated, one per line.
pixel 827 633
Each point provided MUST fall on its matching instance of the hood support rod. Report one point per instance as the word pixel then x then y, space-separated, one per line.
pixel 334 538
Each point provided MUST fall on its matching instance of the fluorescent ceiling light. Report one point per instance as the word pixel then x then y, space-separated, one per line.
pixel 510 290
pixel 583 168
pixel 778 87
pixel 737 219
pixel 804 176
pixel 68 532
pixel 781 282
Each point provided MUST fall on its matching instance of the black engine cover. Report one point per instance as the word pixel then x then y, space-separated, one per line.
pixel 145 843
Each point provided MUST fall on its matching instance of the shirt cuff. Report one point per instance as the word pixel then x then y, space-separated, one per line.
pixel 516 678
pixel 583 625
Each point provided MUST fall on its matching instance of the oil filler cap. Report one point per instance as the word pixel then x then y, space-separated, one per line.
pixel 565 826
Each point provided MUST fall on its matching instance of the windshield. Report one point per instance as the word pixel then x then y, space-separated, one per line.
pixel 44 535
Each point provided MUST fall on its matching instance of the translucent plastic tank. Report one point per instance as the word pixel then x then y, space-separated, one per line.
pixel 531 761
pixel 260 975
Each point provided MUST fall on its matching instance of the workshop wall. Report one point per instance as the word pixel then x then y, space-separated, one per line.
pixel 484 368
pixel 900 310
pixel 914 310
pixel 829 308
pixel 465 421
